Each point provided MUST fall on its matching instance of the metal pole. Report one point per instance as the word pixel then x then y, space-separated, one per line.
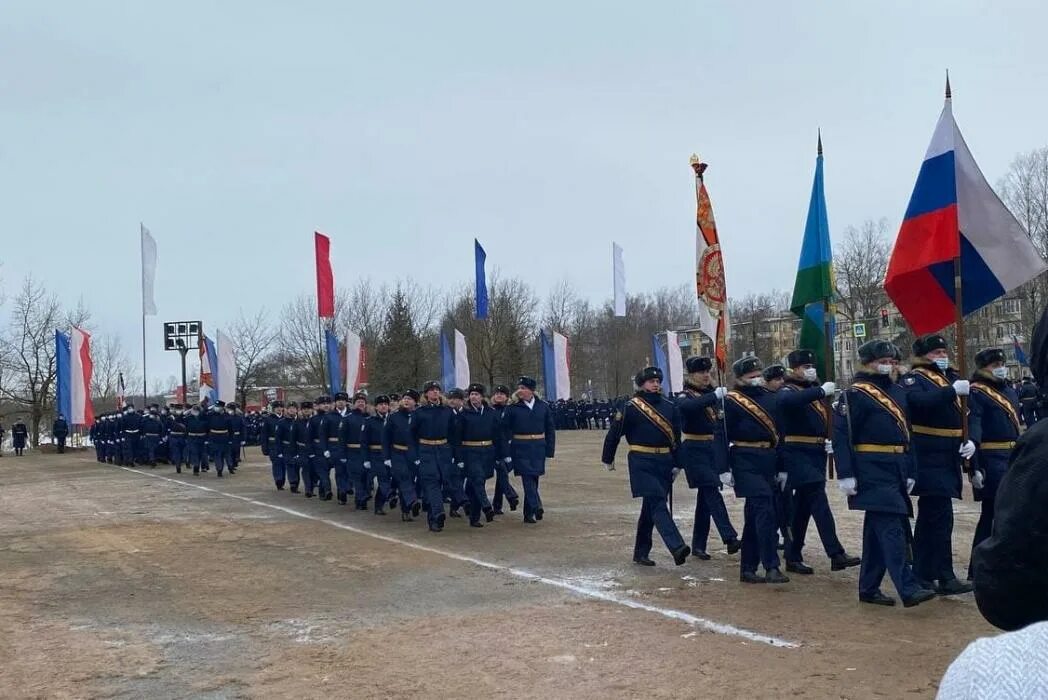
pixel 182 351
pixel 962 347
pixel 829 375
pixel 142 271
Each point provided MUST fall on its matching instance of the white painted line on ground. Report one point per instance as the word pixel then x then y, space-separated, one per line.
pixel 584 591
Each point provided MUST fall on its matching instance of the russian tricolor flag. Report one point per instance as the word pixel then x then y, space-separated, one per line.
pixel 954 212
pixel 74 367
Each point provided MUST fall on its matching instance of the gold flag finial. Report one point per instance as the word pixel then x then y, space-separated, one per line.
pixel 697 165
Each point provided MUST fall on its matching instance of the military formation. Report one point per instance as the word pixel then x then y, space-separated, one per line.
pixel 777 433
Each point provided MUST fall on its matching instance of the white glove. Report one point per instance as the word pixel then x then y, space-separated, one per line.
pixel 388 462
pixel 720 392
pixel 849 487
pixel 327 454
pixel 418 462
pixel 829 447
pixel 978 480
pixel 910 483
pixel 609 467
pixel 367 465
pixel 674 473
pixel 828 388
pixel 461 465
pixel 962 387
pixel 280 456
pixel 727 479
pixel 780 479
pixel 508 460
pixel 967 449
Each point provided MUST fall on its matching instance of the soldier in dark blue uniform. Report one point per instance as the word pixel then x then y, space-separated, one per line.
pixel 130 429
pixel 354 423
pixel 304 448
pixel 60 431
pixel 1028 401
pixel 994 424
pixel 152 430
pixel 478 433
pixel 375 469
pixel 753 454
pixel 319 454
pixel 774 380
pixel 287 450
pixel 218 437
pixel 871 440
pixel 438 469
pixel 332 448
pixel 270 444
pixel 774 377
pixel 20 437
pixel 651 425
pixel 933 391
pixel 805 423
pixel 699 405
pixel 176 437
pixel 400 453
pixel 527 427
pixel 503 486
pixel 196 437
pixel 236 435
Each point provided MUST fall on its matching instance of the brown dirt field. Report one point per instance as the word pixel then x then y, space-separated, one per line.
pixel 117 584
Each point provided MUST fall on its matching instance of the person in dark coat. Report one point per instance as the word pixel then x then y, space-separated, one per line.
pixel 288 468
pixel 304 448
pixel 478 440
pixel 351 432
pixel 700 404
pixel 152 430
pixel 319 454
pixel 270 445
pixel 651 425
pixel 236 436
pixel 876 470
pixel 60 431
pixel 1028 396
pixel 130 434
pixel 177 435
pixel 934 390
pixel 400 454
pixel 503 486
pixel 196 438
pixel 376 473
pixel 438 469
pixel 218 436
pixel 805 422
pixel 530 439
pixel 752 447
pixel 993 421
pixel 19 437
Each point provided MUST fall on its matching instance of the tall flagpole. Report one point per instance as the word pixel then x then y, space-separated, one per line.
pixel 829 371
pixel 142 266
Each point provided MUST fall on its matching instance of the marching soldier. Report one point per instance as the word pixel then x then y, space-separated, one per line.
pixel 375 469
pixel 774 377
pixel 236 436
pixel 434 429
pixel 196 436
pixel 218 436
pixel 352 433
pixel 400 454
pixel 1028 401
pixel 130 425
pixel 478 432
pixel 651 424
pixel 304 448
pixel 876 471
pixel 933 391
pixel 527 425
pixel 334 448
pixel 753 454
pixel 152 431
pixel 288 467
pixel 700 423
pixel 270 445
pixel 994 424
pixel 805 423
pixel 60 431
pixel 319 454
pixel 176 438
pixel 503 486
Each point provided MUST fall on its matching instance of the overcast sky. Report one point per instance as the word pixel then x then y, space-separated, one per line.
pixel 234 129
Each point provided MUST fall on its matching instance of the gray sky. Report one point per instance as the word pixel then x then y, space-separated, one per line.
pixel 546 129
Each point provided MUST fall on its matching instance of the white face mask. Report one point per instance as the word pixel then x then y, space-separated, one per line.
pixel 811 374
pixel 884 369
pixel 942 363
pixel 1000 372
pixel 757 381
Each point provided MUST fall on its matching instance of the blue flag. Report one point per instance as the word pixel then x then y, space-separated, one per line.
pixel 334 366
pixel 482 281
pixel 63 359
pixel 447 363
pixel 549 365
pixel 661 362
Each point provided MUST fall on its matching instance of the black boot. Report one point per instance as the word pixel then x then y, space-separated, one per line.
pixel 680 554
pixel 877 598
pixel 842 561
pixel 513 503
pixel 489 514
pixel 799 567
pixel 734 546
pixel 294 487
pixel 776 576
pixel 406 517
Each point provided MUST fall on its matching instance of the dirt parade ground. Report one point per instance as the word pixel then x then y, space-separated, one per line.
pixel 143 584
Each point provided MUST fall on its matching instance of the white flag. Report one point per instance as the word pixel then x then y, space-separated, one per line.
pixel 352 378
pixel 619 275
pixel 676 363
pixel 560 366
pixel 226 383
pixel 148 272
pixel 461 362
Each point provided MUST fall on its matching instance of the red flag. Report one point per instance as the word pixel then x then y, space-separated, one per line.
pixel 325 279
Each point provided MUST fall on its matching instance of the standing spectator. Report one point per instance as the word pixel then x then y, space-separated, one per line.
pixel 1 439
pixel 19 436
pixel 60 431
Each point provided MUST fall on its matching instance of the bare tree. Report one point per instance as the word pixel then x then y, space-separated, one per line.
pixel 1024 189
pixel 859 265
pixel 254 338
pixel 109 360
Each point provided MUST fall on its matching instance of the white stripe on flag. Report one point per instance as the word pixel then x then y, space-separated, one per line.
pixel 619 279
pixel 226 384
pixel 148 272
pixel 79 390
pixel 560 362
pixel 461 362
pixel 349 384
pixel 675 362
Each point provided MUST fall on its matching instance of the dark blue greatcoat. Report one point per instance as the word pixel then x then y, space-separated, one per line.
pixel 933 404
pixel 529 455
pixel 804 421
pixel 651 475
pixel 700 424
pixel 753 468
pixel 993 418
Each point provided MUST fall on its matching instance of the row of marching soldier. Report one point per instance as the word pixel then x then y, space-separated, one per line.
pixel 894 436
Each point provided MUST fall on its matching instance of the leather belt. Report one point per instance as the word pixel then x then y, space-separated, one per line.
pixel 375 448
pixel 761 445
pixel 219 432
pixel 197 434
pixel 401 448
pixel 285 442
pixel 432 443
pixel 804 440
pixel 152 434
pixel 936 432
pixel 131 431
pixel 645 449
pixel 882 449
pixel 301 444
pixel 697 437
pixel 334 439
pixel 353 446
pixel 530 436
pixel 477 443
pixel 1006 445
